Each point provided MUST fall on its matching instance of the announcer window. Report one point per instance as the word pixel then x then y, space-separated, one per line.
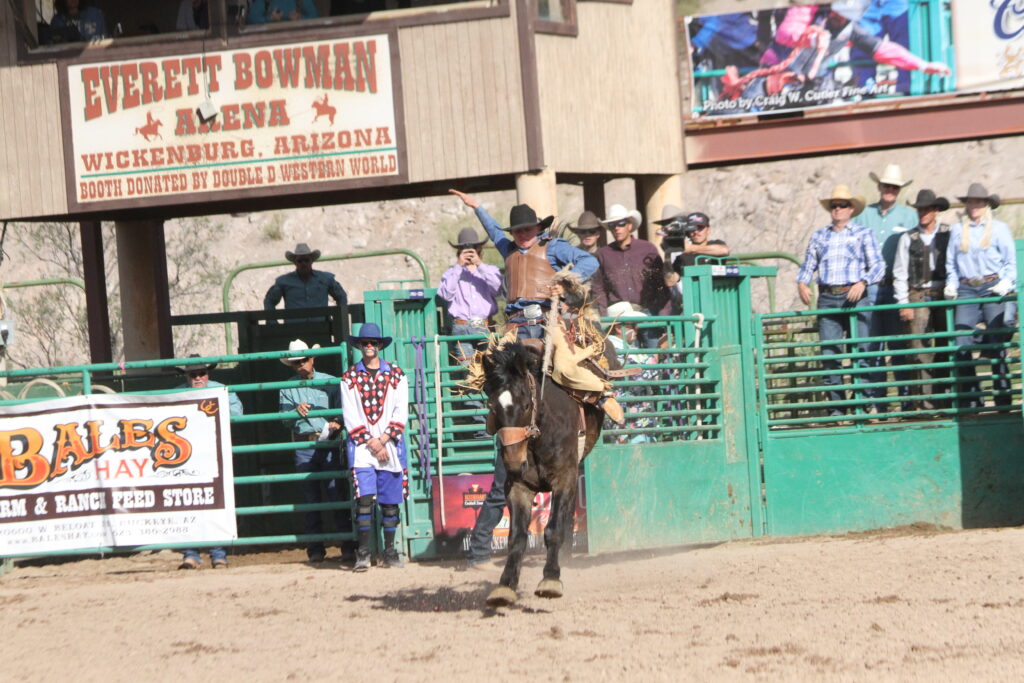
pixel 555 16
pixel 48 23
pixel 260 15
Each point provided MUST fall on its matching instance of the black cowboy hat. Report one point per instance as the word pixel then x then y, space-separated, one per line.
pixel 302 249
pixel 468 239
pixel 370 332
pixel 978 191
pixel 587 221
pixel 185 369
pixel 522 216
pixel 927 199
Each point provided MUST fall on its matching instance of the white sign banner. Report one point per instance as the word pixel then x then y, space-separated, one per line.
pixel 285 115
pixel 107 470
pixel 989 44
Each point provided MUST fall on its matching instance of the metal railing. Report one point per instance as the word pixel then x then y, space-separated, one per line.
pixel 810 382
pixel 677 398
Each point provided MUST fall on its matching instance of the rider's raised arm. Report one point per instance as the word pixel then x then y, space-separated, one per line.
pixel 561 253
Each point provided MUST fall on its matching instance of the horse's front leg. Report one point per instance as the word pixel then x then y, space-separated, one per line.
pixel 520 504
pixel 558 532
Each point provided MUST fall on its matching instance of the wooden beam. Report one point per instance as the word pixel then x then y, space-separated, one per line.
pixel 803 136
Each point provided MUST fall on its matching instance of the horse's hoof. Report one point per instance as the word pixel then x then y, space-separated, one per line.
pixel 501 596
pixel 549 588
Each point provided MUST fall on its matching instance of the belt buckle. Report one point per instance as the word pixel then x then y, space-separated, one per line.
pixel 533 312
pixel 975 281
pixel 477 322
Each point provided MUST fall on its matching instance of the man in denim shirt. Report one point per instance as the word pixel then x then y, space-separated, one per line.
pixel 849 265
pixel 306 428
pixel 304 287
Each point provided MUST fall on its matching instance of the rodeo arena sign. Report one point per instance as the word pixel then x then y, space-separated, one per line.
pixel 116 471
pixel 827 55
pixel 267 117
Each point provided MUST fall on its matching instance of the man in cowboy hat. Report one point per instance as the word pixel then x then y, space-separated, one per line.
pixel 308 428
pixel 375 406
pixel 470 287
pixel 981 261
pixel 631 271
pixel 198 377
pixel 888 219
pixel 590 232
pixel 531 261
pixel 848 264
pixel 919 274
pixel 304 287
pixel 532 265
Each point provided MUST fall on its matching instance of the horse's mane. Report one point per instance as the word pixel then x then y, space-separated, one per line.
pixel 508 364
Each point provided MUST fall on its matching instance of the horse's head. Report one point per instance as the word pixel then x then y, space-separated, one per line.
pixel 511 388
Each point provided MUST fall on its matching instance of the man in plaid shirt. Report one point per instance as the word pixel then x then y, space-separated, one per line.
pixel 849 265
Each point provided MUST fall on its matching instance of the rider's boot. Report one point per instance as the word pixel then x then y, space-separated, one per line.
pixel 612 409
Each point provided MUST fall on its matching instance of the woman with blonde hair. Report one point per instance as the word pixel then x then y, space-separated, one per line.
pixel 981 261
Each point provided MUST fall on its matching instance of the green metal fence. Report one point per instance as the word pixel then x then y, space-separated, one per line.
pixel 890 446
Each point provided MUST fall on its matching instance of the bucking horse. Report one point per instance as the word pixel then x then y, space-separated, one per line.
pixel 543 434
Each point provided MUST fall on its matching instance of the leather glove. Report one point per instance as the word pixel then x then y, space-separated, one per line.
pixel 1002 288
pixel 950 292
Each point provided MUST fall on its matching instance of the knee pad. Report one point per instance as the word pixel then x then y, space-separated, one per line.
pixel 389 516
pixel 364 512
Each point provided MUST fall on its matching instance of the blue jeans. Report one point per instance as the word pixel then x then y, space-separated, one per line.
pixel 490 515
pixel 216 554
pixel 995 315
pixel 318 460
pixel 834 327
pixel 887 324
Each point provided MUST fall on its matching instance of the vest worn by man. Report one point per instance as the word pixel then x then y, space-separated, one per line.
pixel 919 268
pixel 528 274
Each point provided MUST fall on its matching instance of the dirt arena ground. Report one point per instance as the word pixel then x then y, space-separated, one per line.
pixel 909 604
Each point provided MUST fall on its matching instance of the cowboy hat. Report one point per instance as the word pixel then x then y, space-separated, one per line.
pixel 842 192
pixel 468 239
pixel 370 332
pixel 618 212
pixel 522 216
pixel 978 191
pixel 587 221
pixel 670 213
pixel 302 249
pixel 892 175
pixel 297 345
pixel 624 309
pixel 927 199
pixel 192 367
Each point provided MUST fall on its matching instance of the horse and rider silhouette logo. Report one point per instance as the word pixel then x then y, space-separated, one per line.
pixel 150 129
pixel 323 108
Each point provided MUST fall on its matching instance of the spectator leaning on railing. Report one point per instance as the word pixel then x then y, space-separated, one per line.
pixel 632 271
pixel 306 428
pixel 889 220
pixel 919 274
pixel 981 261
pixel 849 265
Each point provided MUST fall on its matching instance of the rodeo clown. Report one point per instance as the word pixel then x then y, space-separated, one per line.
pixel 374 401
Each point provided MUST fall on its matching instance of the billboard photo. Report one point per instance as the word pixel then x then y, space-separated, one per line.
pixel 819 55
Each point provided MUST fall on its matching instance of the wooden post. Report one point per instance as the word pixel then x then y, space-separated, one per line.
pixel 94 273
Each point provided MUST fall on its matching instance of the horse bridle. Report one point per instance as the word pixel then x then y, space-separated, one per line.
pixel 513 435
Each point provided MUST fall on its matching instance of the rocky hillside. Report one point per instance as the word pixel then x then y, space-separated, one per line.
pixel 761 207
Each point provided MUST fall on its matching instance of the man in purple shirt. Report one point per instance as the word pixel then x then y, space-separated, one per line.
pixel 631 271
pixel 471 289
